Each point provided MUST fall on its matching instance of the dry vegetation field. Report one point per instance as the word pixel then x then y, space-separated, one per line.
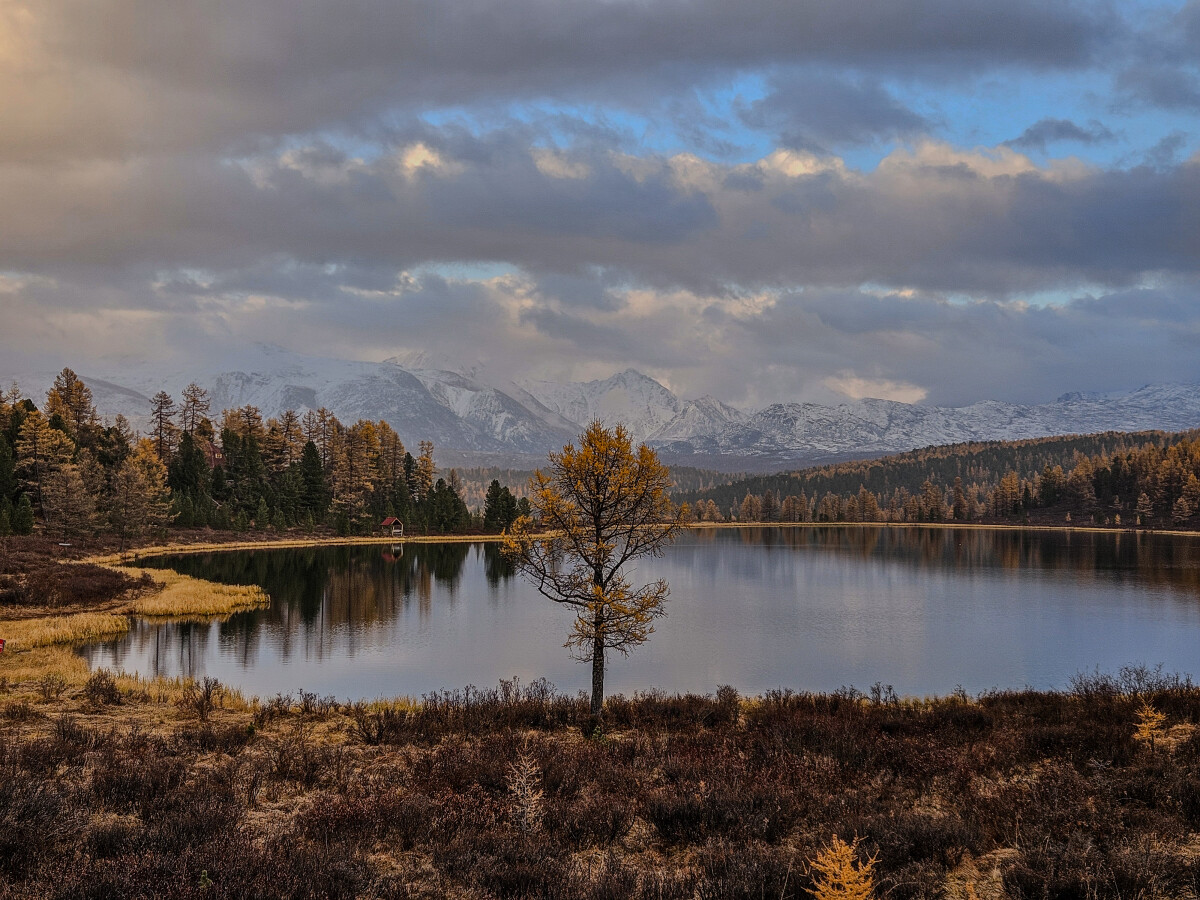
pixel 118 788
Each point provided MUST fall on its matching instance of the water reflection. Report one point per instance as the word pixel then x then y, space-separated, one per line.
pixel 925 609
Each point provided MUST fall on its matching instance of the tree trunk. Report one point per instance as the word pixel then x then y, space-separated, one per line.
pixel 598 670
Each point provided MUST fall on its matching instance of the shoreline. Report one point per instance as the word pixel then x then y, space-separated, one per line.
pixel 128 557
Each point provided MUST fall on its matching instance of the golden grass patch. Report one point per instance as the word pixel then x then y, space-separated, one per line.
pixel 34 664
pixel 182 595
pixel 26 634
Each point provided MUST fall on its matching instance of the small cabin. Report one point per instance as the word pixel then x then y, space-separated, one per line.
pixel 393 526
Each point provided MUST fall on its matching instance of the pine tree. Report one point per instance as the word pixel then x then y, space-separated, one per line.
pixel 960 510
pixel 1181 511
pixel 188 470
pixel 6 516
pixel 840 875
pixel 1145 508
pixel 603 504
pixel 425 471
pixel 499 507
pixel 140 497
pixel 8 470
pixel 41 451
pixel 314 493
pixel 66 504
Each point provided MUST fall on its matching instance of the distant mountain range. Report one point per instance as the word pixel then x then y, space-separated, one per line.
pixel 514 422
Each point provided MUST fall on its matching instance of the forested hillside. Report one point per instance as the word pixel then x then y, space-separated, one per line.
pixel 1147 478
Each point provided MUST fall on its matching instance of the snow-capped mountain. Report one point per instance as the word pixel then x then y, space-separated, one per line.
pixel 459 411
pixel 635 400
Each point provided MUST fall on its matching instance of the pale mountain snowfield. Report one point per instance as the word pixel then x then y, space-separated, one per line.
pixel 461 412
pixel 639 403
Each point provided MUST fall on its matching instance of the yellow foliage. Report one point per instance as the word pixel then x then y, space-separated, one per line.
pixel 1150 723
pixel 840 874
pixel 598 507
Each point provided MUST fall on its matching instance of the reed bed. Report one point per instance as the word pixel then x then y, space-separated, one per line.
pixel 132 556
pixel 182 595
pixel 34 664
pixel 26 634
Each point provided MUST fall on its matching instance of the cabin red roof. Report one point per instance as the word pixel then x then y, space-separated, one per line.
pixel 390 520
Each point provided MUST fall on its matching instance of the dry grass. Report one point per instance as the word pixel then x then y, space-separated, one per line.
pixel 39 646
pixel 34 664
pixel 30 633
pixel 183 595
pixel 133 555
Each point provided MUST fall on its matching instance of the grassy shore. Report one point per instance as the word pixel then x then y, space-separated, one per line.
pixel 48 605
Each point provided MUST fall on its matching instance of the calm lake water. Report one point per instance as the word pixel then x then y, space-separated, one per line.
pixel 757 608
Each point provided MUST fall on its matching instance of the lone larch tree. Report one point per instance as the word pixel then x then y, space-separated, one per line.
pixel 598 508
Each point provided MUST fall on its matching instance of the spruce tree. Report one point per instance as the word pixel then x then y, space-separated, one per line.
pixel 262 515
pixel 188 471
pixel 8 470
pixel 22 522
pixel 314 493
pixel 492 517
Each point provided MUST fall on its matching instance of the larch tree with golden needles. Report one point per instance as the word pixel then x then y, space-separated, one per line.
pixel 599 507
pixel 838 873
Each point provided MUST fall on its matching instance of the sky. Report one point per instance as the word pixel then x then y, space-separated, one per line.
pixel 936 201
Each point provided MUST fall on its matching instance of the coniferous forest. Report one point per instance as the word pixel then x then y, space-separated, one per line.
pixel 1146 479
pixel 229 471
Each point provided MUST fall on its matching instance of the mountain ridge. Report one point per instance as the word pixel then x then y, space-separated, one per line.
pixel 460 411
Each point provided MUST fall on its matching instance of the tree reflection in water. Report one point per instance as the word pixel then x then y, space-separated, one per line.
pixel 758 607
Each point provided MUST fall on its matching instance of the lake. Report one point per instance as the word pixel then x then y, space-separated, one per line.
pixel 813 608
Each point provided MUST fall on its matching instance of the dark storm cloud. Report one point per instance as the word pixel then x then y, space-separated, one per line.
pixel 1050 131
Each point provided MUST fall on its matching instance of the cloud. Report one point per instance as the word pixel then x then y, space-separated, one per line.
pixel 857 388
pixel 820 114
pixel 564 189
pixel 119 77
pixel 930 217
pixel 1051 131
pixel 746 348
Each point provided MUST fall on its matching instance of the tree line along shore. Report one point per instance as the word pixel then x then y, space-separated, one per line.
pixel 64 470
pixel 1115 479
